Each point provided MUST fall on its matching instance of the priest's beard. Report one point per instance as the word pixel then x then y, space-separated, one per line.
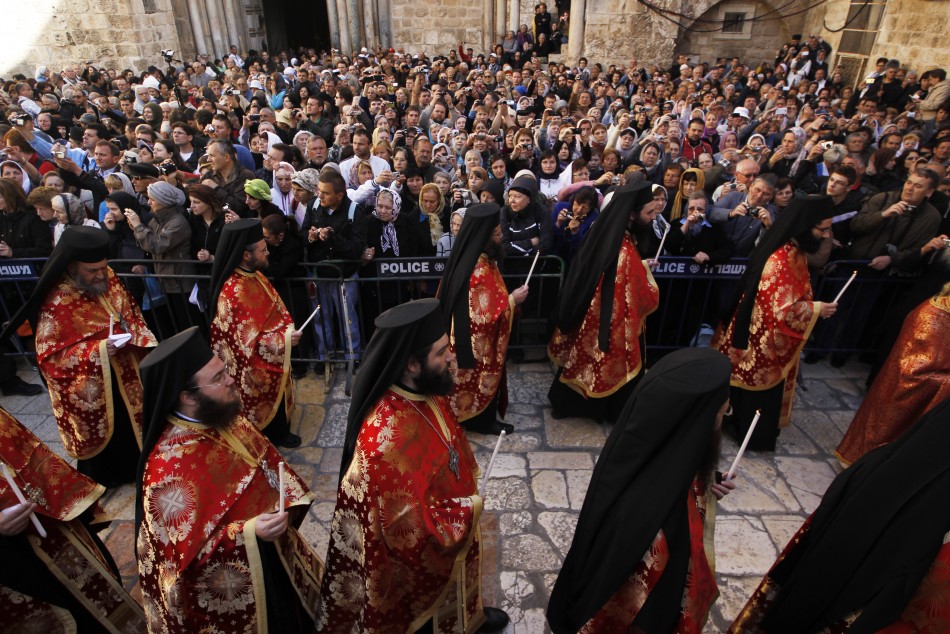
pixel 710 463
pixel 807 242
pixel 96 289
pixel 495 251
pixel 434 383
pixel 214 413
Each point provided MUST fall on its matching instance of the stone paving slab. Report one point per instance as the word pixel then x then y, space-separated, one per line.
pixel 540 480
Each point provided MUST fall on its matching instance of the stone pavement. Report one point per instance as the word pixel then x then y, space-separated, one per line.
pixel 541 477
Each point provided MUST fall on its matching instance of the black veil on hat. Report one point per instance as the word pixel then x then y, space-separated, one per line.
pixel 477 227
pixel 77 244
pixel 873 538
pixel 165 371
pixel 639 486
pixel 800 215
pixel 400 331
pixel 235 237
pixel 597 259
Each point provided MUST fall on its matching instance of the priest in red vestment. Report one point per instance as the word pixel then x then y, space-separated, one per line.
pixel 915 377
pixel 252 330
pixel 875 554
pixel 404 544
pixel 771 319
pixel 93 378
pixel 215 552
pixel 66 581
pixel 639 560
pixel 609 291
pixel 477 311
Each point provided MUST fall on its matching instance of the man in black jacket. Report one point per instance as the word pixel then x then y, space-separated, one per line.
pixel 336 230
pixel 22 235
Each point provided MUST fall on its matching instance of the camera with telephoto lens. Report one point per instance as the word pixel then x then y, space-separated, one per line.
pixel 827 127
pixel 168 54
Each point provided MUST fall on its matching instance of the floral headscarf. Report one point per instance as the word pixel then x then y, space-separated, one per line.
pixel 388 239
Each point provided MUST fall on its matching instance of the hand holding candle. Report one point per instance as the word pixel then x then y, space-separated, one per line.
pixel 19 495
pixel 745 442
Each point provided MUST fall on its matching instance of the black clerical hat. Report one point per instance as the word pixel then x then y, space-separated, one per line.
pixel 235 238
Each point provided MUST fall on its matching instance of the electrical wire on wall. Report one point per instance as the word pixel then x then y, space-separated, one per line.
pixel 666 13
pixel 848 21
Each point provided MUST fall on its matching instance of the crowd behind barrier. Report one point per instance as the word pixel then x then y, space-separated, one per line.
pixel 691 300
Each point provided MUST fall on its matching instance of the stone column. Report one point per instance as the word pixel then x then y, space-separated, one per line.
pixel 499 20
pixel 385 23
pixel 196 18
pixel 343 26
pixel 515 16
pixel 488 22
pixel 575 42
pixel 217 27
pixel 231 23
pixel 370 32
pixel 353 13
pixel 334 21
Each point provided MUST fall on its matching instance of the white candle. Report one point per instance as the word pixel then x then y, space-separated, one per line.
pixel 531 270
pixel 19 494
pixel 850 279
pixel 745 442
pixel 312 315
pixel 666 232
pixel 280 471
pixel 491 462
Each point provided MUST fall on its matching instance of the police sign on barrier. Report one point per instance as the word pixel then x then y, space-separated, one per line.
pixel 686 267
pixel 411 267
pixel 19 271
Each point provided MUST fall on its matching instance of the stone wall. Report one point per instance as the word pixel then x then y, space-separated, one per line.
pixel 436 27
pixel 112 33
pixel 617 30
pixel 912 31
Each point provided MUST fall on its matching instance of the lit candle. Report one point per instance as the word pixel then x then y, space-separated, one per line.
pixel 19 494
pixel 312 315
pixel 850 279
pixel 745 442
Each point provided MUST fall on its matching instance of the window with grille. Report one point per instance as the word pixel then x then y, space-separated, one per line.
pixel 863 24
pixel 733 22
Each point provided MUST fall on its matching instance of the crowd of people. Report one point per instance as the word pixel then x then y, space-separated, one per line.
pixel 223 177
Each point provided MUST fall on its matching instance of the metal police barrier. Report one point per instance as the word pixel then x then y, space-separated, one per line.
pixel 693 298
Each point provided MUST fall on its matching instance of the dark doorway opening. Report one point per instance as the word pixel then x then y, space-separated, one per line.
pixel 292 24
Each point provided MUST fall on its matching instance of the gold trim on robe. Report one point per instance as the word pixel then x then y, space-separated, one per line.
pixel 491 311
pixel 404 542
pixel 783 317
pixel 71 334
pixel 251 334
pixel 199 564
pixel 587 369
pixel 915 378
pixel 68 550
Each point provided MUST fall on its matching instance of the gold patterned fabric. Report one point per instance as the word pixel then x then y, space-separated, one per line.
pixel 71 334
pixel 491 310
pixel 587 369
pixel 199 560
pixel 915 378
pixel 783 317
pixel 251 334
pixel 404 543
pixel 68 551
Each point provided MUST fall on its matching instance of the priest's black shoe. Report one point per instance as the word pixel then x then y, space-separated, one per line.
pixel 494 428
pixel 495 620
pixel 290 441
pixel 18 387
